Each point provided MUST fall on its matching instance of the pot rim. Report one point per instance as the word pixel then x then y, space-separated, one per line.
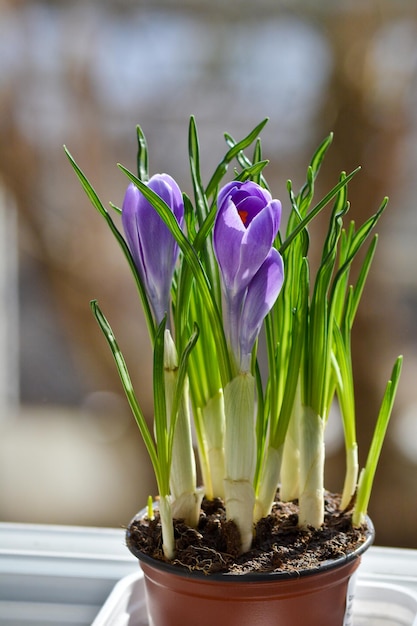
pixel 325 566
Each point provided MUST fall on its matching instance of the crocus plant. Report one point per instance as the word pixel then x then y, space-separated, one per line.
pixel 213 273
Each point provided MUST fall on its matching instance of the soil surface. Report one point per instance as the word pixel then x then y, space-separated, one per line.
pixel 278 544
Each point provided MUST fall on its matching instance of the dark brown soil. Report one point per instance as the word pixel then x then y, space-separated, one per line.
pixel 278 544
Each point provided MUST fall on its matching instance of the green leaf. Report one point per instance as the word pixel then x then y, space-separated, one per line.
pixel 182 373
pixel 230 155
pixel 316 209
pixel 319 338
pixel 246 163
pixel 115 208
pixel 298 329
pixel 257 158
pixel 320 153
pixel 355 294
pixel 342 365
pixel 96 202
pixel 252 172
pixel 194 157
pixel 159 401
pixel 357 239
pixel 128 387
pixel 142 155
pixel 368 473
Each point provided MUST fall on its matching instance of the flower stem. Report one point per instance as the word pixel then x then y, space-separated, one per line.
pixel 311 501
pixel 268 483
pixel 240 454
pixel 213 420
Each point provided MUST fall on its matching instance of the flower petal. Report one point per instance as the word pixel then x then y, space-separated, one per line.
pixel 167 189
pixel 228 233
pixel 246 225
pixel 238 191
pixel 261 295
pixel 257 242
pixel 129 221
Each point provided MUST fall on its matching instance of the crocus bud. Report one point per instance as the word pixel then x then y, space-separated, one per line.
pixel 251 269
pixel 153 248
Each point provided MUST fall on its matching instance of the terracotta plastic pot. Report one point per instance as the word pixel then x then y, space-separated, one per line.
pixel 320 597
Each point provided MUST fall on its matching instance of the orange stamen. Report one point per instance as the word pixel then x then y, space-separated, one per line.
pixel 243 216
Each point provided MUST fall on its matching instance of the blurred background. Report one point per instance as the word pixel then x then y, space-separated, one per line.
pixel 84 73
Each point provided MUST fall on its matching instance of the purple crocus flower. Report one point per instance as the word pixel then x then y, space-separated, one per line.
pixel 151 243
pixel 251 269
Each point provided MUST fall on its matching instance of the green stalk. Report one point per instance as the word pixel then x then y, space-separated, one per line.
pixel 342 366
pixel 290 468
pixel 166 516
pixel 162 442
pixel 268 483
pixel 212 416
pixel 185 497
pixel 285 334
pixel 207 400
pixel 311 498
pixel 240 454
